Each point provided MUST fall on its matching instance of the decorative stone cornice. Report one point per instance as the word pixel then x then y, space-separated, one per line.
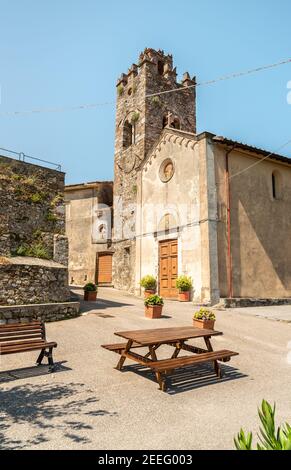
pixel 178 137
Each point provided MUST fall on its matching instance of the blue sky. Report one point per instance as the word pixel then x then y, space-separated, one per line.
pixel 68 52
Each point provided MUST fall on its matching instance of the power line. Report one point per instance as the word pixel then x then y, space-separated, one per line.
pixel 174 90
pixel 261 160
pixel 57 110
pixel 223 78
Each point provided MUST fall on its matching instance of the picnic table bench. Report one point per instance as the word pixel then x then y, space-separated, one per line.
pixel 23 337
pixel 176 337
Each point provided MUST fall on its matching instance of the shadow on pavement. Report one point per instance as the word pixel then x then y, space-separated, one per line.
pixel 190 378
pixel 101 304
pixel 48 409
pixel 28 372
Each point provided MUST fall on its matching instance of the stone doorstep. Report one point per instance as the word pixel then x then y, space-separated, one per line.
pixel 240 302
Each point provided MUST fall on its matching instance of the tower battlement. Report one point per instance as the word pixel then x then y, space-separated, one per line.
pixel 161 64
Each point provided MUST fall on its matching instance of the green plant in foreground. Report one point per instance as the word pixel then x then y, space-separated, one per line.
pixel 184 283
pixel 148 282
pixel 90 287
pixel 269 437
pixel 153 300
pixel 204 314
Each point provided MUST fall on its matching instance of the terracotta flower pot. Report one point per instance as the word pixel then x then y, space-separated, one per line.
pixel 90 295
pixel 205 324
pixel 184 296
pixel 153 311
pixel 148 292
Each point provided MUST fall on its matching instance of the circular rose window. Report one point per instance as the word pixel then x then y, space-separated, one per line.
pixel 166 170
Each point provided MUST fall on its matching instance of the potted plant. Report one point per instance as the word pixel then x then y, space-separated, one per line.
pixel 184 284
pixel 149 284
pixel 204 318
pixel 90 292
pixel 153 306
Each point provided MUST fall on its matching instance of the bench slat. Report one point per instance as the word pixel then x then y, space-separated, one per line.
pixel 18 337
pixel 120 346
pixel 20 326
pixel 169 364
pixel 19 342
pixel 26 347
pixel 17 331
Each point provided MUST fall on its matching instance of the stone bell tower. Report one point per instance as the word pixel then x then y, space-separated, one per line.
pixel 140 119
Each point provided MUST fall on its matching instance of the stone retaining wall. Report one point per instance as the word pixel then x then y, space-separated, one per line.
pixel 31 209
pixel 31 281
pixel 45 312
pixel 252 302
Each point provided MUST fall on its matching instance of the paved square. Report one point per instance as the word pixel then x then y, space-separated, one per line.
pixel 87 404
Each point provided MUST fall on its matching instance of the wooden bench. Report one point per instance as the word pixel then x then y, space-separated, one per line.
pixel 184 361
pixel 163 366
pixel 24 337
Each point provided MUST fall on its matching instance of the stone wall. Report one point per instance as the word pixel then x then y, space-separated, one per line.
pixel 32 281
pixel 33 244
pixel 45 312
pixel 31 208
pixel 154 73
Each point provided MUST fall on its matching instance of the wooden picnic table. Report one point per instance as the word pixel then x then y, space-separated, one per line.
pixel 176 337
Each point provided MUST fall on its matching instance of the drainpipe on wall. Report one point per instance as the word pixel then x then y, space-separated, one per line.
pixel 229 260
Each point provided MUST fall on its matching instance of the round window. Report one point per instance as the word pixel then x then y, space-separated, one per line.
pixel 167 170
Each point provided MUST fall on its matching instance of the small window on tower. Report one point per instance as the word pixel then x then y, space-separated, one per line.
pixel 165 120
pixel 176 123
pixel 160 67
pixel 128 134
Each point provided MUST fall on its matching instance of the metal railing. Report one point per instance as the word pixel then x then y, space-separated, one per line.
pixel 23 158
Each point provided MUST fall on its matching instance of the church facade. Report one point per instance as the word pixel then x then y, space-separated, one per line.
pixel 194 204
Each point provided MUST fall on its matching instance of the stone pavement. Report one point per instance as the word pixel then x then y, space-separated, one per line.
pixel 279 313
pixel 87 404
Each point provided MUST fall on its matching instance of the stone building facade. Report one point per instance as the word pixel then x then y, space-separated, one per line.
pixel 218 216
pixel 140 119
pixel 89 227
pixel 33 244
pixel 195 204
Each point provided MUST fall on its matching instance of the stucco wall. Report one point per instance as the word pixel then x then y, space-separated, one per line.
pixel 179 197
pixel 260 227
pixel 86 211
